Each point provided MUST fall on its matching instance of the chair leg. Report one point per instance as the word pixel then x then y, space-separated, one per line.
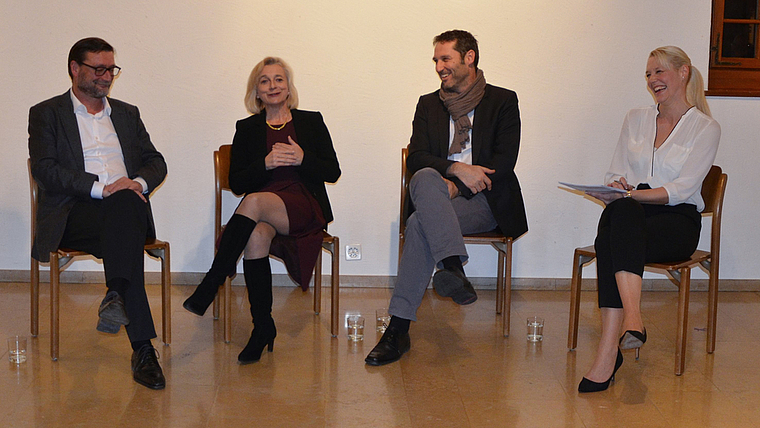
pixel 683 320
pixel 712 306
pixel 507 292
pixel 335 287
pixel 575 298
pixel 318 283
pixel 499 281
pixel 227 309
pixel 55 277
pixel 166 296
pixel 35 297
pixel 218 302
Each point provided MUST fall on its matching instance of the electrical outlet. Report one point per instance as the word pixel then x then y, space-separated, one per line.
pixel 354 252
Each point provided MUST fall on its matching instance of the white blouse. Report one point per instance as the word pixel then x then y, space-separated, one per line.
pixel 679 165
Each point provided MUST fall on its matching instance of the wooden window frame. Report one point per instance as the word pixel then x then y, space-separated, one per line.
pixel 732 77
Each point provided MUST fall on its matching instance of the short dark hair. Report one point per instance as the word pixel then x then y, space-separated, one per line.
pixel 82 47
pixel 464 42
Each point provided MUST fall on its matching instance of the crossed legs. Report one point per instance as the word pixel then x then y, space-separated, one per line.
pixel 629 235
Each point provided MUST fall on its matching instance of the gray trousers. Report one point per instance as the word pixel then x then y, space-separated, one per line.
pixel 434 232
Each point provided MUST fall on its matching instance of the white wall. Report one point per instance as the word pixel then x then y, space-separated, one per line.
pixel 576 65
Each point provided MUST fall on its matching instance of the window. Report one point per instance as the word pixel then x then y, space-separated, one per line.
pixel 734 53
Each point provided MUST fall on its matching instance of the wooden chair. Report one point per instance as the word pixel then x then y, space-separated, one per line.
pixel 502 244
pixel 59 259
pixel 713 190
pixel 329 242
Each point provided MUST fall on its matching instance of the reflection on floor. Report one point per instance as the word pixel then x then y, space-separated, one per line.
pixel 460 372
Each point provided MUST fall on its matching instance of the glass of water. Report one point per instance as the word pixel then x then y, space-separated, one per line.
pixel 382 319
pixel 17 349
pixel 355 328
pixel 535 329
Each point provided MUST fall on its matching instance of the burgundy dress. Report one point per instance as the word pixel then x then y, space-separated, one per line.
pixel 300 248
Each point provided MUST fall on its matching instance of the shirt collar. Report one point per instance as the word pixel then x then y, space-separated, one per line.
pixel 81 109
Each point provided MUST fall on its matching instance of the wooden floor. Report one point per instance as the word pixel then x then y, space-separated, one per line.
pixel 460 371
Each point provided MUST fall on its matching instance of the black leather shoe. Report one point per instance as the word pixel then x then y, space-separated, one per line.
pixel 145 368
pixel 105 326
pixel 390 348
pixel 453 283
pixel 112 313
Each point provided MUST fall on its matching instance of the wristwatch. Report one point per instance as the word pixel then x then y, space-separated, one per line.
pixel 627 194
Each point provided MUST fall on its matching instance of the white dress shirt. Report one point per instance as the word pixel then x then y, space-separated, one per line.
pixel 679 165
pixel 466 155
pixel 100 146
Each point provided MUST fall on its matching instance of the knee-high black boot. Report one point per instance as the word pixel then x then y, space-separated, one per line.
pixel 258 280
pixel 231 245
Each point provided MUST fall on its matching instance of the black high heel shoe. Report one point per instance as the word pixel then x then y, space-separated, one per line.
pixel 261 337
pixel 591 386
pixel 633 339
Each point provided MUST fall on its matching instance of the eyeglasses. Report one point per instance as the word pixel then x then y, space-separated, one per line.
pixel 99 71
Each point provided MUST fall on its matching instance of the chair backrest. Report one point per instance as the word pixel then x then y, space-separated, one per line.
pixel 34 191
pixel 405 177
pixel 713 191
pixel 222 182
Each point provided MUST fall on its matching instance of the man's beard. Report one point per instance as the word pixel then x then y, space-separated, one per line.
pixel 91 89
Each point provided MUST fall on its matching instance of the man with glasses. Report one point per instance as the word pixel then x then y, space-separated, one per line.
pixel 96 167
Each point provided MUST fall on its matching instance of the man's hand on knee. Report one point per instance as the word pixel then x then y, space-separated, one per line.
pixel 121 184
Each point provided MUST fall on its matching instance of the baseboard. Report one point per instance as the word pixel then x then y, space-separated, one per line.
pixel 379 281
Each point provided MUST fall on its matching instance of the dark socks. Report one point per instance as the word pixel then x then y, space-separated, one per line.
pixel 400 324
pixel 453 263
pixel 136 345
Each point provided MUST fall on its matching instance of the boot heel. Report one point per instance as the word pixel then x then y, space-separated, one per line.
pixel 271 345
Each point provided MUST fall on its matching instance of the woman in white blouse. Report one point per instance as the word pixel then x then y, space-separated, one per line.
pixel 663 154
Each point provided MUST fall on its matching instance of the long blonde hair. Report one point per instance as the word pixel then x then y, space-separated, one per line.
pixel 255 105
pixel 673 57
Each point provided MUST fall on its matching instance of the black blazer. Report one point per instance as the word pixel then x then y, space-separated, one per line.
pixel 495 145
pixel 248 172
pixel 55 150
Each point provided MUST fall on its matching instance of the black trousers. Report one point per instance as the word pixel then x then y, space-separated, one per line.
pixel 631 234
pixel 114 229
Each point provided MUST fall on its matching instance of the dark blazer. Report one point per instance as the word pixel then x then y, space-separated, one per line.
pixel 248 172
pixel 55 150
pixel 495 144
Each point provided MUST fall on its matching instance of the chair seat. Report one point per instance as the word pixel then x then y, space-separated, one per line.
pixel 150 244
pixel 699 256
pixel 485 237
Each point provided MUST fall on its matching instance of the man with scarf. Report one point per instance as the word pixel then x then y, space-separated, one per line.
pixel 463 150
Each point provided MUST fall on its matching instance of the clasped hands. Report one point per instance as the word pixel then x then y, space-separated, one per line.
pixel 121 184
pixel 284 154
pixel 475 177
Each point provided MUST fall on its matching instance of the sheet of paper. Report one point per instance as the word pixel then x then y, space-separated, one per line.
pixel 596 189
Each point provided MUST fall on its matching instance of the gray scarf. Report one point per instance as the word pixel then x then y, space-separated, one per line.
pixel 458 105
